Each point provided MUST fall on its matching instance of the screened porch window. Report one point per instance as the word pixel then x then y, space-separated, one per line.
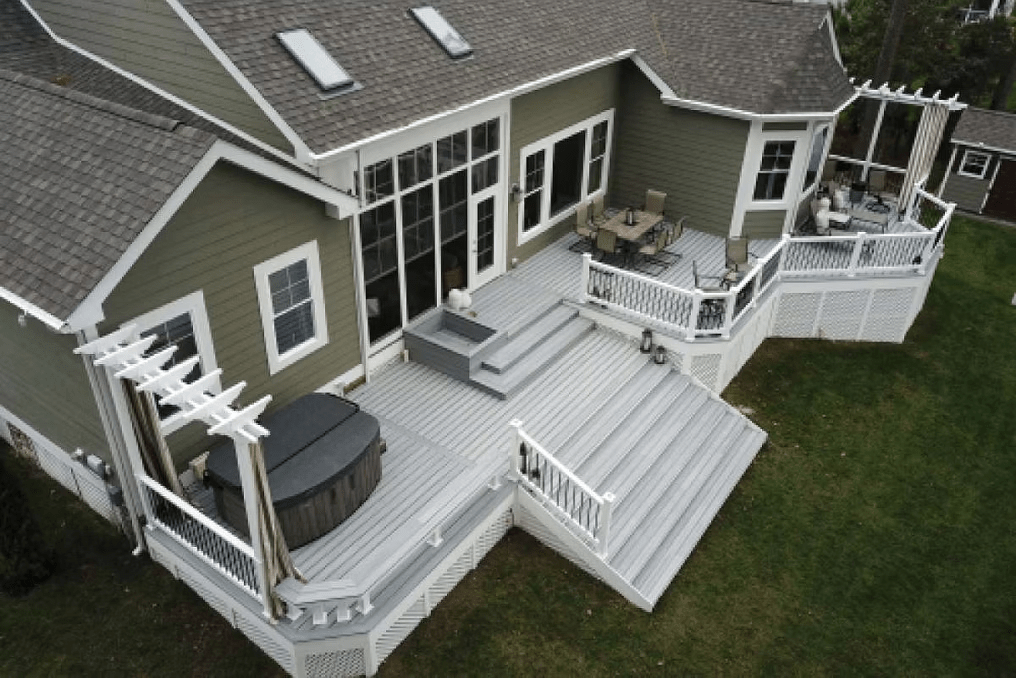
pixel 771 181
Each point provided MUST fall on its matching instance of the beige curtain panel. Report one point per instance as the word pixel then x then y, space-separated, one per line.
pixel 154 452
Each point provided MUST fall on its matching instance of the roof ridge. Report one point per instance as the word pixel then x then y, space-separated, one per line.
pixel 149 119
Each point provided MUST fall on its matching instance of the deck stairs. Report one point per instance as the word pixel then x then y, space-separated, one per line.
pixel 670 452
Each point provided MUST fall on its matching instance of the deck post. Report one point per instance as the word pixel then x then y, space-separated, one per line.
pixel 513 451
pixel 603 533
pixel 728 313
pixel 584 277
pixel 250 505
pixel 784 245
pixel 855 256
pixel 696 306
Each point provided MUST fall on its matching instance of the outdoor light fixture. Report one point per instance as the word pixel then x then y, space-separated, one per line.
pixel 647 341
pixel 660 357
pixel 515 193
pixel 22 320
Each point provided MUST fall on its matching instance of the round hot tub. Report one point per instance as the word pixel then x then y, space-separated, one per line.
pixel 323 459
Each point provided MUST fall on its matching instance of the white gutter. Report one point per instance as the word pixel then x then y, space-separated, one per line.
pixel 716 109
pixel 984 147
pixel 31 309
pixel 513 92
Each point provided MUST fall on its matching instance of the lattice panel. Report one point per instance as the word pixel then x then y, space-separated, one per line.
pixel 706 368
pixel 23 445
pixel 214 601
pixel 283 655
pixel 338 664
pixel 888 315
pixel 56 467
pixel 400 630
pixel 94 493
pixel 447 581
pixel 532 525
pixel 842 314
pixel 492 535
pixel 676 359
pixel 795 316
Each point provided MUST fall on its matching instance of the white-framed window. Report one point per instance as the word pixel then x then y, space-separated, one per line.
pixel 974 164
pixel 292 303
pixel 818 145
pixel 774 171
pixel 182 323
pixel 562 170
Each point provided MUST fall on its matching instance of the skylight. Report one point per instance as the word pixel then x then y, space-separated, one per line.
pixel 315 59
pixel 442 31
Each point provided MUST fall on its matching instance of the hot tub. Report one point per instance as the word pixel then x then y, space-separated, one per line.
pixel 323 459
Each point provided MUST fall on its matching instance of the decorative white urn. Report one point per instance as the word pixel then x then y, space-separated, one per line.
pixel 455 300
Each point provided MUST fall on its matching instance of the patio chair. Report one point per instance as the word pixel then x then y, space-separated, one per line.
pixel 598 216
pixel 649 261
pixel 674 231
pixel 737 254
pixel 719 287
pixel 584 229
pixel 654 202
pixel 606 243
pixel 876 188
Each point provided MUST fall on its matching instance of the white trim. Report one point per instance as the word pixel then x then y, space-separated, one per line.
pixel 746 182
pixel 300 149
pixel 546 144
pixel 815 129
pixel 948 171
pixel 991 184
pixel 90 311
pixel 827 22
pixel 980 146
pixel 967 155
pixel 726 111
pixel 31 309
pixel 664 88
pixel 194 305
pixel 506 94
pixel 281 155
pixel 309 252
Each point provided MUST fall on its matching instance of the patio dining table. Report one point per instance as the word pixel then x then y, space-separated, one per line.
pixel 644 222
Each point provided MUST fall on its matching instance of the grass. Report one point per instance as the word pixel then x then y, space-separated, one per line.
pixel 873 536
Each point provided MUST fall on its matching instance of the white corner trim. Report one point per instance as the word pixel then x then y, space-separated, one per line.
pixel 90 312
pixel 31 309
pixel 827 23
pixel 980 146
pixel 301 149
pixel 281 155
pixel 193 305
pixel 309 252
pixel 664 88
pixel 509 93
pixel 963 161
pixel 746 182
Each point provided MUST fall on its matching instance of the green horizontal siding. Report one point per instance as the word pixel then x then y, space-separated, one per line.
pixel 541 113
pixel 233 221
pixel 45 384
pixel 148 39
pixel 695 158
pixel 966 192
pixel 763 224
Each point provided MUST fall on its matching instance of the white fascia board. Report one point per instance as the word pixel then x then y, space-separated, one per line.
pixel 301 149
pixel 31 309
pixel 980 146
pixel 827 23
pixel 509 93
pixel 664 88
pixel 90 311
pixel 716 109
pixel 268 148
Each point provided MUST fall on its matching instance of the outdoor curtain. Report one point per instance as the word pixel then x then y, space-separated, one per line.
pixel 154 452
pixel 276 562
pixel 929 136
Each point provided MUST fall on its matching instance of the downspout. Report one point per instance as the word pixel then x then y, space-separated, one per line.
pixel 361 303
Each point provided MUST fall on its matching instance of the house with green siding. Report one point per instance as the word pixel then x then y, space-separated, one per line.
pixel 284 191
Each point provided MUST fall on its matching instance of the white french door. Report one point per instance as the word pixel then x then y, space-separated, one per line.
pixel 485 236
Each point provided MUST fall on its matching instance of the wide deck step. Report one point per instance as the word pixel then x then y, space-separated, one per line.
pixel 522 343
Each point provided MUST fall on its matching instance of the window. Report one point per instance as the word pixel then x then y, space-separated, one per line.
pixel 378 182
pixel 415 166
pixel 818 143
pixel 974 164
pixel 562 170
pixel 292 305
pixel 486 138
pixel 184 324
pixel 451 152
pixel 772 176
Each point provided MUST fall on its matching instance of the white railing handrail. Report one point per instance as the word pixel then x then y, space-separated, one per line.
pixel 558 465
pixel 637 276
pixel 197 515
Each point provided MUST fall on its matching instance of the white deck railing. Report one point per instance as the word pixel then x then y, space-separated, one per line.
pixel 694 313
pixel 201 536
pixel 560 490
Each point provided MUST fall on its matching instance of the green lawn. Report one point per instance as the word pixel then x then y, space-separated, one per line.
pixel 875 535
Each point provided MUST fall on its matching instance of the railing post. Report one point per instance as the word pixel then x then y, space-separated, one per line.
pixel 513 451
pixel 728 314
pixel 784 246
pixel 696 306
pixel 584 278
pixel 855 256
pixel 603 531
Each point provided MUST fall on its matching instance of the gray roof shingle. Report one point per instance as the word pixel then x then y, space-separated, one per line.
pixel 81 178
pixel 760 56
pixel 996 129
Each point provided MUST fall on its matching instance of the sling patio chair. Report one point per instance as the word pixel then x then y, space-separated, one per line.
pixel 606 244
pixel 584 229
pixel 648 255
pixel 654 202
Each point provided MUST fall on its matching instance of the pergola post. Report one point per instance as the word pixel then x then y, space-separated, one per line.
pixel 251 505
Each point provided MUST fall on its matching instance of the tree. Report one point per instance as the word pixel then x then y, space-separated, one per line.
pixel 883 70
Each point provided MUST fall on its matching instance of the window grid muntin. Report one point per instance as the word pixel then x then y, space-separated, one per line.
pixel 176 331
pixel 774 170
pixel 292 306
pixel 974 164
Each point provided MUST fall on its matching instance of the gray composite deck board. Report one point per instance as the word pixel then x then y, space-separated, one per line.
pixel 521 343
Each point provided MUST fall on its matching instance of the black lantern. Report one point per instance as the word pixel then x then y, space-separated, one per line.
pixel 647 341
pixel 660 357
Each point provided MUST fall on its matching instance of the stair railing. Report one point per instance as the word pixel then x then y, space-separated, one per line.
pixel 560 490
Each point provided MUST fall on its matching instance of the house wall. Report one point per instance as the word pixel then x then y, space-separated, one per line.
pixel 767 224
pixel 695 158
pixel 543 112
pixel 148 39
pixel 968 193
pixel 233 221
pixel 43 383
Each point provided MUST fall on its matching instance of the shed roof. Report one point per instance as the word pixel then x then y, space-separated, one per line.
pixel 995 129
pixel 759 56
pixel 81 177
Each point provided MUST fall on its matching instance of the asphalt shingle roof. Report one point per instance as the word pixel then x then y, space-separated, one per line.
pixel 755 55
pixel 80 179
pixel 996 129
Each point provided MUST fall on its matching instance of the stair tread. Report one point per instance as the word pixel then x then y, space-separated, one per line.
pixel 512 380
pixel 660 569
pixel 518 345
